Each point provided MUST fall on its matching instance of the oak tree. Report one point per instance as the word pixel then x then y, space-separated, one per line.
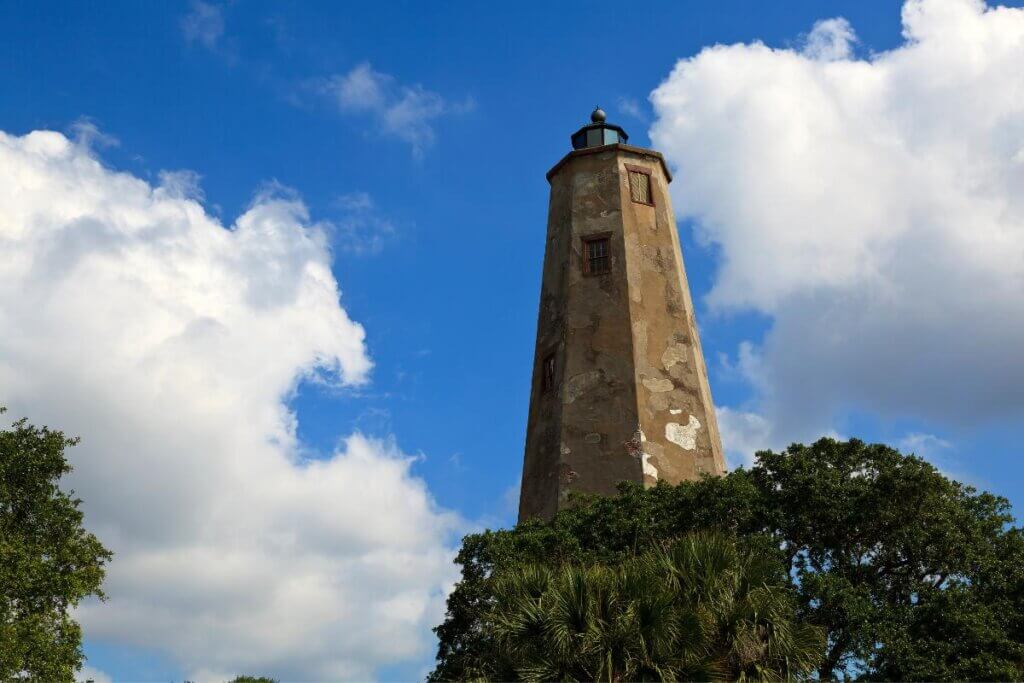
pixel 910 574
pixel 48 561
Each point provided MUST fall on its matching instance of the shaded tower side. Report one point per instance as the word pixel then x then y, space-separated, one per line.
pixel 542 471
pixel 583 404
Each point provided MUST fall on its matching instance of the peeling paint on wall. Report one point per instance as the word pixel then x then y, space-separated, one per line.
pixel 649 469
pixel 657 385
pixel 679 371
pixel 640 337
pixel 661 401
pixel 675 353
pixel 578 384
pixel 636 448
pixel 684 436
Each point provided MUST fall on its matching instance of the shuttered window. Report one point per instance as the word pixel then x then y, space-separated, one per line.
pixel 640 187
pixel 597 259
pixel 547 374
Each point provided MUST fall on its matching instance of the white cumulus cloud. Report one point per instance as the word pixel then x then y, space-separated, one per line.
pixel 743 434
pixel 170 343
pixel 830 39
pixel 872 208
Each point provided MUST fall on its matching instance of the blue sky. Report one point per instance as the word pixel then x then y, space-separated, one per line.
pixel 417 136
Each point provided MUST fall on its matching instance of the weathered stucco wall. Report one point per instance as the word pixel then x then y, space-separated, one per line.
pixel 630 398
pixel 679 432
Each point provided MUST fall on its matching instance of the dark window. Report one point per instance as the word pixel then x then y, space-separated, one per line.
pixel 640 187
pixel 547 374
pixel 597 257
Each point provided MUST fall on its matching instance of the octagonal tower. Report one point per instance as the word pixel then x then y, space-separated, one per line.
pixel 620 390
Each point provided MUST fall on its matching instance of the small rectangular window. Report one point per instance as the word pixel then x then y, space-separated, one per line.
pixel 547 374
pixel 596 256
pixel 640 187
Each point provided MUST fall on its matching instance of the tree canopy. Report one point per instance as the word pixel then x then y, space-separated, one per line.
pixel 702 608
pixel 911 576
pixel 48 561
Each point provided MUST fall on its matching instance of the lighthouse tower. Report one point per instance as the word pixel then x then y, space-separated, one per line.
pixel 620 390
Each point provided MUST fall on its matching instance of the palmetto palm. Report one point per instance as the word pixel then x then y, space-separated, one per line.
pixel 699 610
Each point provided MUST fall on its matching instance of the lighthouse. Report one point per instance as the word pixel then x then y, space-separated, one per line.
pixel 619 390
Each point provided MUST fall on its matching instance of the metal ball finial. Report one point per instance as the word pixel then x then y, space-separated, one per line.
pixel 598 115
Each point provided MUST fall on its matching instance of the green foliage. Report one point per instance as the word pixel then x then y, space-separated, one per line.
pixel 911 575
pixel 253 679
pixel 700 610
pixel 48 561
pixel 973 629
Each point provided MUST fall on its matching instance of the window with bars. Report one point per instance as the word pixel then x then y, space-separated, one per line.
pixel 597 257
pixel 547 374
pixel 640 187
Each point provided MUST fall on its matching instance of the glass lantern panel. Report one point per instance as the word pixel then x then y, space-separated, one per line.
pixel 610 136
pixel 594 137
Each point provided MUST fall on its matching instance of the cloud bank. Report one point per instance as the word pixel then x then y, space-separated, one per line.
pixel 170 343
pixel 872 207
